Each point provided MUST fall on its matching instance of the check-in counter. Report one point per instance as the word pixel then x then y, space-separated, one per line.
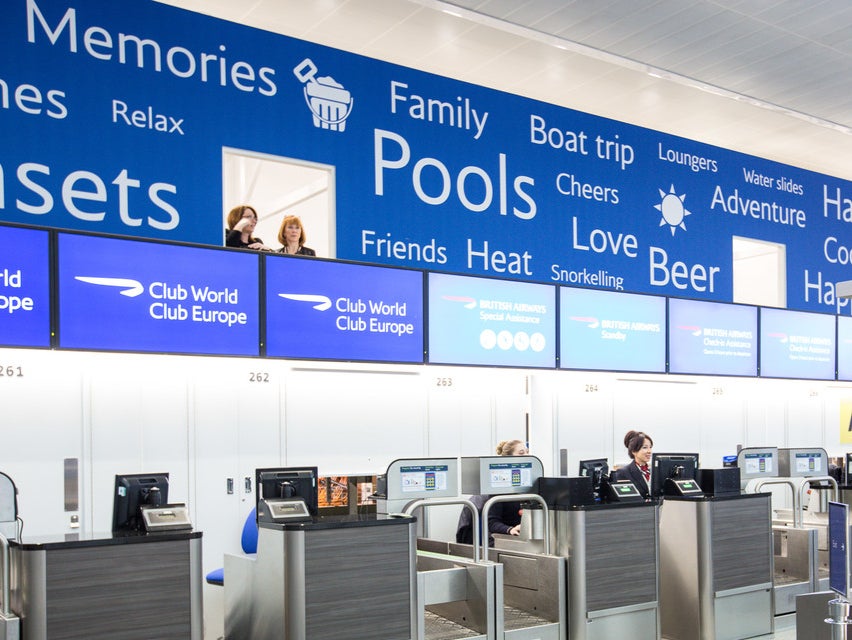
pixel 530 584
pixel 133 586
pixel 333 577
pixel 801 542
pixel 612 554
pixel 716 567
pixel 845 493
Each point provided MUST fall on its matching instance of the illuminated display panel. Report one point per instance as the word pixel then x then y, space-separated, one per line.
pixel 844 348
pixel 340 311
pixel 611 331
pixel 24 288
pixel 712 338
pixel 797 344
pixel 491 322
pixel 509 475
pixel 125 295
pixel 758 464
pixel 420 478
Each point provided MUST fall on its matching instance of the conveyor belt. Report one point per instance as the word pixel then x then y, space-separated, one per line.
pixel 518 619
pixel 439 628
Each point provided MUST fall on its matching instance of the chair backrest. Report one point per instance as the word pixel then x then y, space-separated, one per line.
pixel 8 499
pixel 249 538
pixel 8 507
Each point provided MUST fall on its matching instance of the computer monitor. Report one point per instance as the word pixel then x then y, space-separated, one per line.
pixel 802 462
pixel 847 470
pixel 596 470
pixel 286 483
pixel 134 491
pixel 672 466
pixel 498 475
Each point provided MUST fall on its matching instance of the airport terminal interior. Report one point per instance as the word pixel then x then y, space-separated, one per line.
pixel 573 360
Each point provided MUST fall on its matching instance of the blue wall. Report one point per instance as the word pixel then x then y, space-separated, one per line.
pixel 114 116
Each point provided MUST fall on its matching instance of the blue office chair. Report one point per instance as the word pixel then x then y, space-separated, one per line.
pixel 248 541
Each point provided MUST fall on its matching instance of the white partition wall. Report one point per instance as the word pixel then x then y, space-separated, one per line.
pixel 722 423
pixel 353 422
pixel 41 403
pixel 584 409
pixel 137 423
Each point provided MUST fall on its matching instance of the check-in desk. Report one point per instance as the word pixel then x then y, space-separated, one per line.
pixel 845 493
pixel 800 550
pixel 529 583
pixel 134 586
pixel 716 567
pixel 612 553
pixel 461 593
pixel 332 577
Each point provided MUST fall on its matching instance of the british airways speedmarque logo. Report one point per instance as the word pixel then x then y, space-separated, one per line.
pixel 322 303
pixel 132 288
pixel 469 303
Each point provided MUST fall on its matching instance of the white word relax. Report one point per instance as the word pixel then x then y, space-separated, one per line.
pixel 146 119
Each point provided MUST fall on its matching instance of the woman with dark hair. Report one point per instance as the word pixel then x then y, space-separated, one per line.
pixel 241 223
pixel 639 446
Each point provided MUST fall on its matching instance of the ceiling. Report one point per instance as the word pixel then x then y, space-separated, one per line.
pixel 772 78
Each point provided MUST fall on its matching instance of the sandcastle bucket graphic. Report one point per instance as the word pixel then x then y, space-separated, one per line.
pixel 328 101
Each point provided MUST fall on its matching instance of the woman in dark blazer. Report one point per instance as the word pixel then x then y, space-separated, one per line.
pixel 639 446
pixel 292 236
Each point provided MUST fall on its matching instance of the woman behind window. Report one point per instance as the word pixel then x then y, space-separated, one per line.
pixel 241 223
pixel 292 236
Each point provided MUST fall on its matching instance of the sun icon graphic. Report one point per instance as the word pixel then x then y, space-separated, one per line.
pixel 671 206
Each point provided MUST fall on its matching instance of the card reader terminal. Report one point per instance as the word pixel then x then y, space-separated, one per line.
pixel 683 487
pixel 282 510
pixel 170 517
pixel 622 491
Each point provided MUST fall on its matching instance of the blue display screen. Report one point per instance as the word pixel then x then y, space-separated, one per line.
pixel 24 288
pixel 123 295
pixel 491 322
pixel 611 331
pixel 340 311
pixel 712 338
pixel 838 552
pixel 796 344
pixel 844 348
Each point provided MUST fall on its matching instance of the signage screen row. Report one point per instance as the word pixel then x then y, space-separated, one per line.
pixel 116 294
